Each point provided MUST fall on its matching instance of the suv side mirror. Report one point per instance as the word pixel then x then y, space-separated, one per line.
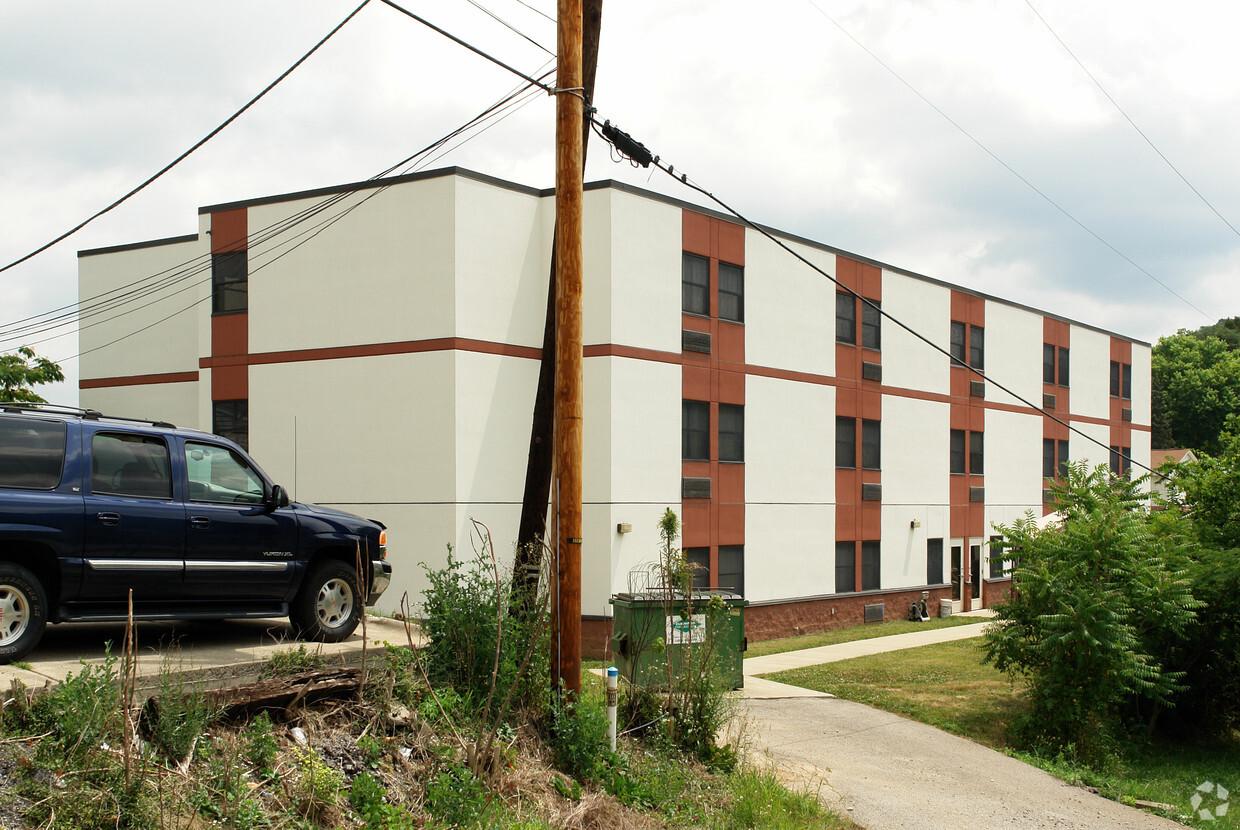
pixel 277 498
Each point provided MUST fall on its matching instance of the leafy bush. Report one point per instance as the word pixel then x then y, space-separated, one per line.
pixel 369 800
pixel 1090 599
pixel 456 798
pixel 578 738
pixel 465 610
pixel 183 715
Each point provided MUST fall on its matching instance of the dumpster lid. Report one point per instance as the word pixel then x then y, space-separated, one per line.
pixel 659 596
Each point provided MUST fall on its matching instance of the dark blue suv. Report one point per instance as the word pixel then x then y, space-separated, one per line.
pixel 95 508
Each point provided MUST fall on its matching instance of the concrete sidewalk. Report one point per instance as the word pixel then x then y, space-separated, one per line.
pixel 760 688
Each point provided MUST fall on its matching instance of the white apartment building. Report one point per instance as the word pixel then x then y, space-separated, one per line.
pixel 376 346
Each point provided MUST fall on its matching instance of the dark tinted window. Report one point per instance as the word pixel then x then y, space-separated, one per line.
pixel 977 463
pixel 1063 367
pixel 958 344
pixel 871 566
pixel 731 292
pixel 977 347
pixel 124 464
pixel 871 445
pixel 695 284
pixel 845 442
pixel 845 318
pixel 698 560
pixel 231 420
pixel 871 325
pixel 1114 379
pixel 695 431
pixel 1048 363
pixel 957 452
pixel 1048 458
pixel 32 453
pixel 934 561
pixel 229 282
pixel 732 568
pixel 731 432
pixel 845 567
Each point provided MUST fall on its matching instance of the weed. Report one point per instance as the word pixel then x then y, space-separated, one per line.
pixel 181 717
pixel 456 798
pixel 578 737
pixel 758 799
pixel 372 749
pixel 262 750
pixel 293 661
pixel 369 800
pixel 316 790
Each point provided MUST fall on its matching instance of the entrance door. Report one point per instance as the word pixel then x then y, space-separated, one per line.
pixel 957 569
pixel 975 566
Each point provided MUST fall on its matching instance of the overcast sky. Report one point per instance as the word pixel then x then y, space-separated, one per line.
pixel 843 121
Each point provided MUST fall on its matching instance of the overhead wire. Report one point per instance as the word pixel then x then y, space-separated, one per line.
pixel 1128 118
pixel 503 108
pixel 188 152
pixel 513 28
pixel 1005 165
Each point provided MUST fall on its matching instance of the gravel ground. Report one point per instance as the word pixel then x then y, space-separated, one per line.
pixel 889 773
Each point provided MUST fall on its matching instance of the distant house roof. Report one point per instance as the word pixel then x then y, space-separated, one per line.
pixel 1160 457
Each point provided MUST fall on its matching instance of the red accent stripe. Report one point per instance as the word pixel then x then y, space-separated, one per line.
pixel 138 380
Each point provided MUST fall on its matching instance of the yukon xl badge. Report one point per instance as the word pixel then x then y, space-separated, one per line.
pixel 279 554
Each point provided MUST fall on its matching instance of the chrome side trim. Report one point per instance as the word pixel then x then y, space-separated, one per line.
pixel 236 565
pixel 135 564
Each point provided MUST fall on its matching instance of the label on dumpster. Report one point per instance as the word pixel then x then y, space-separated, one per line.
pixel 692 630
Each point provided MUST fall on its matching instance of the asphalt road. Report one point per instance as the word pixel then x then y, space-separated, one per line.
pixel 889 773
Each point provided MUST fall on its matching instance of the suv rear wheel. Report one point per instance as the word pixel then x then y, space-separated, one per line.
pixel 23 612
pixel 328 606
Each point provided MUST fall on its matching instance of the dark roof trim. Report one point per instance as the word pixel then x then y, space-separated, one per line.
pixel 372 184
pixel 810 243
pixel 134 246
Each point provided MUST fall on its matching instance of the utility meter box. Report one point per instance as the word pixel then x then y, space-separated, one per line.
pixel 652 629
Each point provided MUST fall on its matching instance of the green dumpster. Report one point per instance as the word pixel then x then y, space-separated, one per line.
pixel 650 628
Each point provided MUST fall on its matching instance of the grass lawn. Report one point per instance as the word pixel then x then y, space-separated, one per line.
pixel 856 632
pixel 947 686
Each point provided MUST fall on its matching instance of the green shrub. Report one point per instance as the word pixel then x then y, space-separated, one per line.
pixel 183 715
pixel 262 750
pixel 578 738
pixel 369 800
pixel 292 661
pixel 455 798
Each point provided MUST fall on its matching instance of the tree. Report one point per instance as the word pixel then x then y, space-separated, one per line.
pixel 1196 384
pixel 1089 598
pixel 20 372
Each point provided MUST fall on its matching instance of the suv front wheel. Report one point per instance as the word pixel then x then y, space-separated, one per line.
pixel 23 612
pixel 328 606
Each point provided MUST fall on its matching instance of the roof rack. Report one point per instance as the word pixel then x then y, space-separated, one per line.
pixel 84 414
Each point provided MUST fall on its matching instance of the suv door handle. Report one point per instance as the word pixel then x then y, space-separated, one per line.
pixel 199 522
pixel 108 519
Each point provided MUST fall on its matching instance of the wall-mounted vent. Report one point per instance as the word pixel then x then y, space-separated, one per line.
pixel 874 612
pixel 1048 401
pixel 872 371
pixel 977 494
pixel 977 388
pixel 1126 414
pixel 695 341
pixel 695 488
pixel 871 492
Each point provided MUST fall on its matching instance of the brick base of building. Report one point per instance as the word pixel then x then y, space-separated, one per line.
pixel 791 619
pixel 996 591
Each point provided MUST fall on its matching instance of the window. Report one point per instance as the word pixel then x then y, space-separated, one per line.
pixel 977 347
pixel 1054 458
pixel 846 442
pixel 958 338
pixel 1048 363
pixel 957 452
pixel 1063 366
pixel 731 292
pixel 845 567
pixel 217 474
pixel 731 432
pixel 871 445
pixel 976 455
pixel 1121 460
pixel 229 282
pixel 231 420
pixel 871 325
pixel 32 453
pixel 695 284
pixel 934 561
pixel 968 342
pixel 997 569
pixel 845 318
pixel 124 464
pixel 732 568
pixel 871 561
pixel 695 430
pixel 698 560
pixel 1121 380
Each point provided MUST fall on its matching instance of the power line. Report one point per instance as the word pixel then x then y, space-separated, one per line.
pixel 511 27
pixel 1004 164
pixel 687 182
pixel 1121 111
pixel 187 153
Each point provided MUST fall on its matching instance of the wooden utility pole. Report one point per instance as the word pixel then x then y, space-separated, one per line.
pixel 532 531
pixel 569 121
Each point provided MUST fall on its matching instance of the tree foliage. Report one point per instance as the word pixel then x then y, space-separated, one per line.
pixel 1090 597
pixel 23 370
pixel 1196 386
